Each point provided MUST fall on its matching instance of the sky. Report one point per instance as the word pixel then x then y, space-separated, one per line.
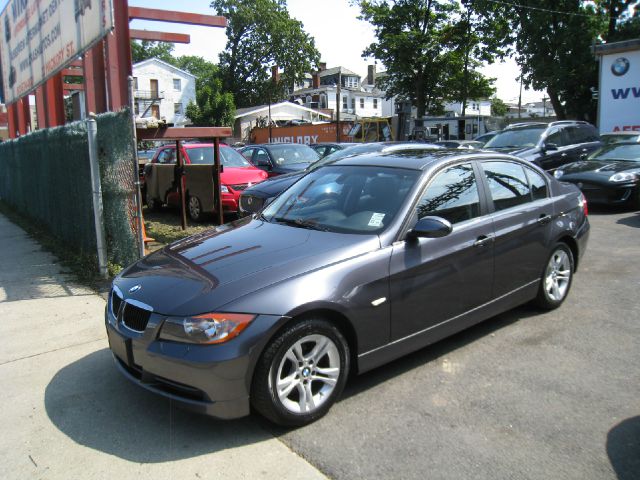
pixel 339 35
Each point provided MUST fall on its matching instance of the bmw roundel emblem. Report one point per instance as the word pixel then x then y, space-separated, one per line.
pixel 135 288
pixel 249 201
pixel 620 66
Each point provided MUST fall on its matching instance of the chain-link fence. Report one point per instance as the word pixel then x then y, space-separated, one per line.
pixel 46 176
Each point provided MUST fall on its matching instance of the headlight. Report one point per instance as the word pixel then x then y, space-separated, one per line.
pixel 224 189
pixel 208 328
pixel 623 177
pixel 558 173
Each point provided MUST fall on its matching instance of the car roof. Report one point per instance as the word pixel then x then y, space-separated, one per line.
pixel 419 160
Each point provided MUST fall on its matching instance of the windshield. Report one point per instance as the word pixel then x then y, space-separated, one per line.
pixel 516 138
pixel 613 138
pixel 292 154
pixel 348 199
pixel 228 157
pixel 629 153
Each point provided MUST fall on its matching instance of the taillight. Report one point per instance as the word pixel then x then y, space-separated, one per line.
pixel 583 204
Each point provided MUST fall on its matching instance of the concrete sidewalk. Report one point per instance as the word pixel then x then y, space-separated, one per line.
pixel 66 413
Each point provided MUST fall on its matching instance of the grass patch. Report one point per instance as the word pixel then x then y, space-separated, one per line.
pixel 164 227
pixel 82 266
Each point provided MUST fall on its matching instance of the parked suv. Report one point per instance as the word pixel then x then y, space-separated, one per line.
pixel 548 145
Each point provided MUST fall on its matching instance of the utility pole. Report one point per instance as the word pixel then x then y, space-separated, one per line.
pixel 544 105
pixel 520 99
pixel 338 100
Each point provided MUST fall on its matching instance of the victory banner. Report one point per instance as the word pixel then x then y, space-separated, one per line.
pixel 38 38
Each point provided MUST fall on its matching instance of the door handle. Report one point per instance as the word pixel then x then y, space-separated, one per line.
pixel 482 240
pixel 544 219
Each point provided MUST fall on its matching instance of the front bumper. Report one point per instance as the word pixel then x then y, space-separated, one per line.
pixel 605 194
pixel 211 379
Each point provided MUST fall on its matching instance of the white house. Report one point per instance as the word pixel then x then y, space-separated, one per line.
pixel 162 91
pixel 356 100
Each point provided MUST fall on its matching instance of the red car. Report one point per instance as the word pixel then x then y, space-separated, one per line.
pixel 237 174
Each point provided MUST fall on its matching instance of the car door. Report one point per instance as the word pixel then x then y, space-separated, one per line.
pixel 583 139
pixel 435 280
pixel 561 154
pixel 522 222
pixel 262 160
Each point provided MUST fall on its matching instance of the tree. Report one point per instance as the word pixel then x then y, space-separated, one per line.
pixel 145 49
pixel 498 107
pixel 410 35
pixel 553 41
pixel 213 106
pixel 479 36
pixel 261 34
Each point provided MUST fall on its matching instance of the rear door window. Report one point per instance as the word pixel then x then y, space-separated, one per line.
pixel 507 183
pixel 539 188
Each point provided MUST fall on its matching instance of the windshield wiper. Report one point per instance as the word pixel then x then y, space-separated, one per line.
pixel 300 223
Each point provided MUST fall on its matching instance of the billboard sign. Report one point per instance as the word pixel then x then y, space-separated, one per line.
pixel 620 92
pixel 38 38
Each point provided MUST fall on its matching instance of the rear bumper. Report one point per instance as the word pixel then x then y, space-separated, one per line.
pixel 211 379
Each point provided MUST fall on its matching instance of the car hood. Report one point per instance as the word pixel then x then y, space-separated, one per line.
pixel 275 185
pixel 204 272
pixel 597 169
pixel 518 151
pixel 292 167
pixel 240 175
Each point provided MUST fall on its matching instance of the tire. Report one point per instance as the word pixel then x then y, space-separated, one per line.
pixel 309 363
pixel 154 204
pixel 194 207
pixel 635 199
pixel 556 278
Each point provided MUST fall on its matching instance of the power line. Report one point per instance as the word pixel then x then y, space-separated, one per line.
pixel 540 9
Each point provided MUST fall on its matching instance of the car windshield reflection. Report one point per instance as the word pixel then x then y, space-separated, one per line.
pixel 348 199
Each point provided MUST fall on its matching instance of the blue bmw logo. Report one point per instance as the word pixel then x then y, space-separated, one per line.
pixel 135 288
pixel 620 66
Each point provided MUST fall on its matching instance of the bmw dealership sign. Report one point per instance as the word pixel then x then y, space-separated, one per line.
pixel 38 38
pixel 619 108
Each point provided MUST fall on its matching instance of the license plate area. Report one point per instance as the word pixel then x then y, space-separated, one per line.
pixel 121 347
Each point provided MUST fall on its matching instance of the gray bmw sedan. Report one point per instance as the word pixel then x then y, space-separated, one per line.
pixel 356 264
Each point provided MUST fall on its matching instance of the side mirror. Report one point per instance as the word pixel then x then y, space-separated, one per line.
pixel 431 227
pixel 549 147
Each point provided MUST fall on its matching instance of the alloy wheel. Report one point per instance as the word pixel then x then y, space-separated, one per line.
pixel 557 275
pixel 308 374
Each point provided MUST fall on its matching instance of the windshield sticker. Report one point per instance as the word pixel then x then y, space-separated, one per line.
pixel 376 220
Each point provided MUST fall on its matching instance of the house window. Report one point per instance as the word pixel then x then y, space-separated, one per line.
pixel 136 108
pixel 345 105
pixel 177 109
pixel 135 83
pixel 353 103
pixel 362 103
pixel 375 103
pixel 177 84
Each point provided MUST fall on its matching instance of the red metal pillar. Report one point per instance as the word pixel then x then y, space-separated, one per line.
pixel 119 58
pixel 41 107
pixel 55 101
pixel 94 77
pixel 26 111
pixel 21 117
pixel 13 120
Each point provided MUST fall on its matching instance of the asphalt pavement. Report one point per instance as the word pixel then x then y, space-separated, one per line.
pixel 525 395
pixel 66 413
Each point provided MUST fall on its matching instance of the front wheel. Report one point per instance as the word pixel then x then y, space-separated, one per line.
pixel 301 373
pixel 556 278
